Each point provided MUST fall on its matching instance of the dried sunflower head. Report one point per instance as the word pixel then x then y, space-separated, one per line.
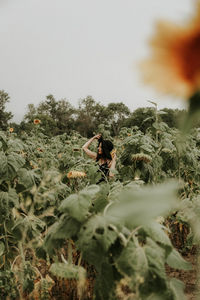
pixel 75 174
pixel 141 157
pixel 36 121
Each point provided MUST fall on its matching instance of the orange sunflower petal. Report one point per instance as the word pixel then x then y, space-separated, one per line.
pixel 174 65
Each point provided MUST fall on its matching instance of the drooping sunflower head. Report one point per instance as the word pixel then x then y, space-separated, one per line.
pixel 174 65
pixel 36 121
pixel 75 174
pixel 141 157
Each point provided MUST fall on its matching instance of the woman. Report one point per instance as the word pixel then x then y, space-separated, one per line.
pixel 103 156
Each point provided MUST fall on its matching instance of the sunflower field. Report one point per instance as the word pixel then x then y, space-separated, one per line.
pixel 62 236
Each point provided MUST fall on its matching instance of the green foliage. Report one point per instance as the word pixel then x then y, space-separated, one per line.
pixel 175 261
pixel 112 225
pixel 136 207
pixel 9 165
pixel 77 205
pixel 132 261
pixel 4 115
pixel 94 239
pixel 67 271
pixel 8 286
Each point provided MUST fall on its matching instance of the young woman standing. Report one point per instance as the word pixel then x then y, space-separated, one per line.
pixel 105 159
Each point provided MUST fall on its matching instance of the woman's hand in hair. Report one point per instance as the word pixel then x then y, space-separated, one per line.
pixel 87 144
pixel 114 156
pixel 98 136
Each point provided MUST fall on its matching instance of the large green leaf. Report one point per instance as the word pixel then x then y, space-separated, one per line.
pixel 3 167
pixel 116 189
pixel 68 271
pixel 13 197
pixel 95 238
pixel 15 145
pixel 104 283
pixel 146 148
pixel 9 199
pixel 132 261
pixel 26 178
pixel 100 200
pixel 137 207
pixel 175 261
pixel 15 162
pixel 65 228
pixel 77 205
pixel 156 232
pixel 9 165
pixel 90 191
pixel 177 288
pixel 156 259
pixel 3 140
pixel 29 225
pixel 155 296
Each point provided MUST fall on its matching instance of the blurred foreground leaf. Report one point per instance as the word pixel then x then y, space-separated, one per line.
pixel 139 207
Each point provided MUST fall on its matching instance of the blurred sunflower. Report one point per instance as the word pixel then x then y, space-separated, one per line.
pixel 36 121
pixel 11 130
pixel 75 174
pixel 141 157
pixel 174 66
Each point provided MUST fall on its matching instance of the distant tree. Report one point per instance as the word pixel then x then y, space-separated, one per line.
pixel 48 107
pixel 117 114
pixel 31 113
pixel 56 117
pixel 65 116
pixel 142 117
pixel 90 114
pixel 173 117
pixel 4 115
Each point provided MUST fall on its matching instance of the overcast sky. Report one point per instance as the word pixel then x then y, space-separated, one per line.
pixel 75 48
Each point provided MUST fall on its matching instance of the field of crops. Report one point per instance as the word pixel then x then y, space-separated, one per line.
pixel 64 237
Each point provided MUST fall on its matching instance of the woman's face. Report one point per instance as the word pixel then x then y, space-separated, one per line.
pixel 100 149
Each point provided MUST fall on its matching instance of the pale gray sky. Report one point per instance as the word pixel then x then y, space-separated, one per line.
pixel 75 48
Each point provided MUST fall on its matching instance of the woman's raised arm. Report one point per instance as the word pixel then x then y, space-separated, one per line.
pixel 87 144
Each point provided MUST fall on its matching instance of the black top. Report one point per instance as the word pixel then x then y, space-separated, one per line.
pixel 104 169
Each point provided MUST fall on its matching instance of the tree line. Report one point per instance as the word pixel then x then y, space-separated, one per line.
pixel 59 116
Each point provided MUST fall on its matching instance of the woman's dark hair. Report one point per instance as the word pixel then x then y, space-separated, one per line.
pixel 107 147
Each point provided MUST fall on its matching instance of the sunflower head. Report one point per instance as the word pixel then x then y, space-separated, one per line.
pixel 36 121
pixel 75 174
pixel 141 157
pixel 11 130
